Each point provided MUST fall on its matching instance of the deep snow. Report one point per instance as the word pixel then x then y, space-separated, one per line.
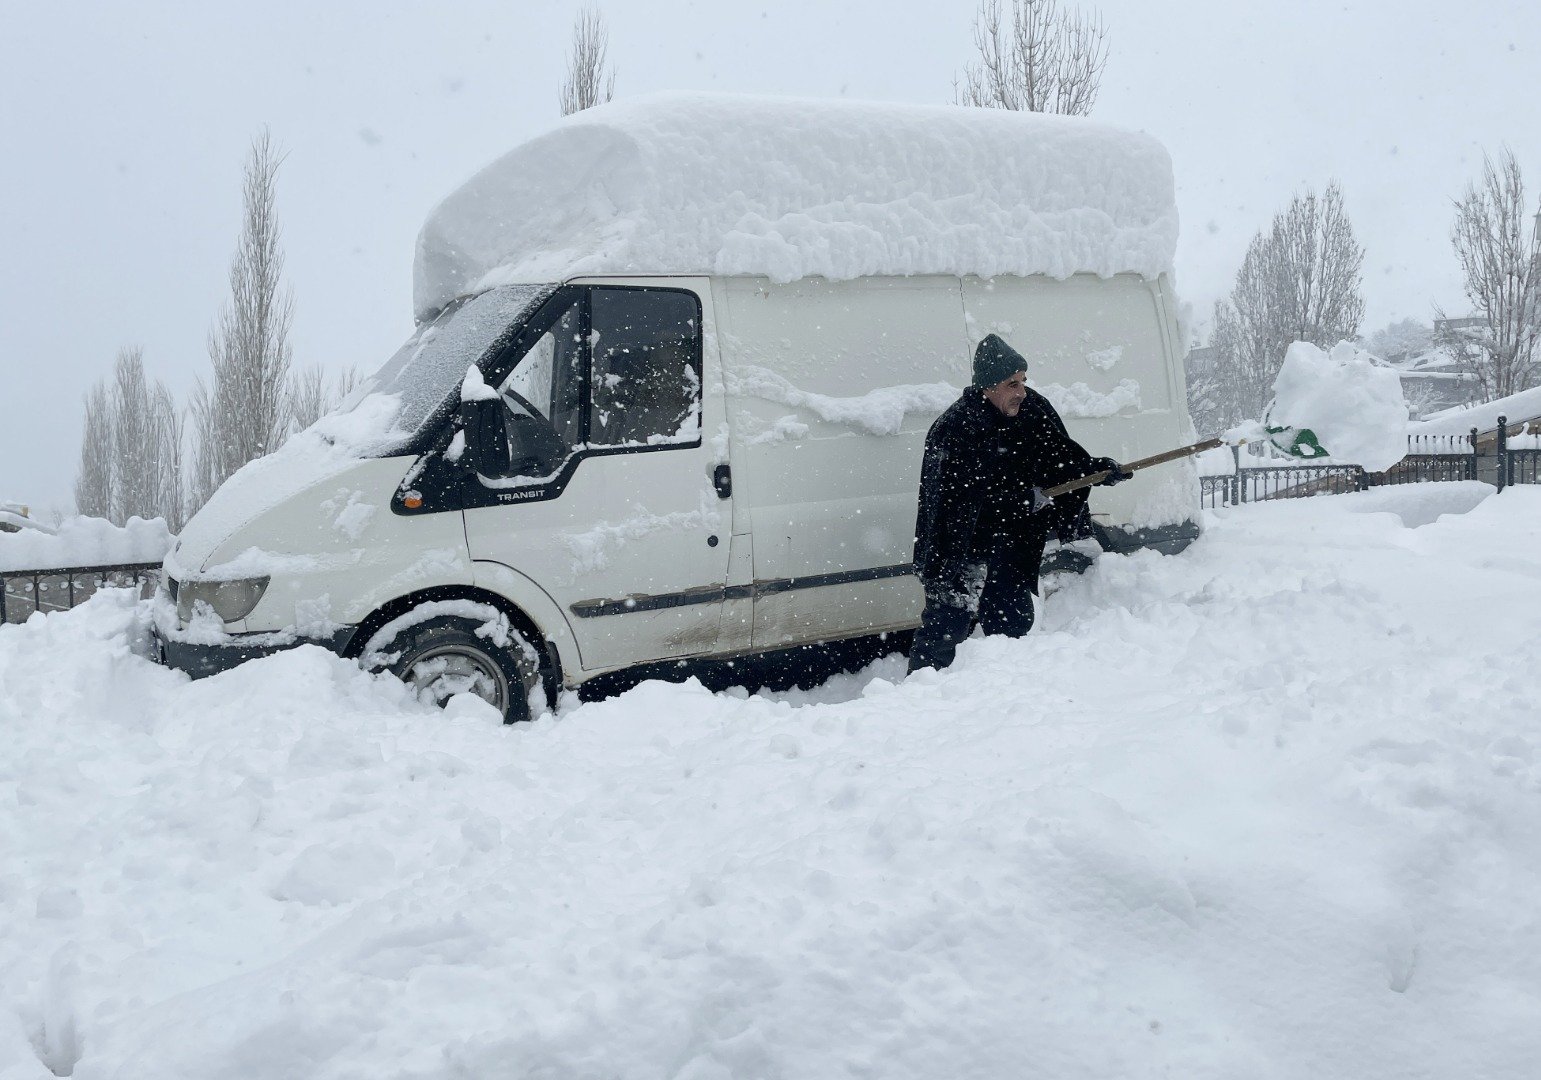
pixel 85 541
pixel 1516 408
pixel 1270 808
pixel 693 183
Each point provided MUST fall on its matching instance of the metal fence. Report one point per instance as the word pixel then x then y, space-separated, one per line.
pixel 1430 459
pixel 60 588
pixel 1433 459
pixel 1286 482
pixel 1524 466
pixel 1516 465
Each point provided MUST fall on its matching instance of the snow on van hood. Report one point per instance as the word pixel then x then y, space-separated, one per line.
pixel 789 188
pixel 322 452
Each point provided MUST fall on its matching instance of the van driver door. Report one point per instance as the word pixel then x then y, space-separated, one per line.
pixel 611 506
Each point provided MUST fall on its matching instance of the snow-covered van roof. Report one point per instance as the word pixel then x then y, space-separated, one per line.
pixel 787 188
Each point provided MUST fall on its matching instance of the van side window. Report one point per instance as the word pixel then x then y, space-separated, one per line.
pixel 646 373
pixel 543 398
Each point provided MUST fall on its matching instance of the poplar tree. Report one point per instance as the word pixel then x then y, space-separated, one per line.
pixel 1045 59
pixel 242 412
pixel 589 81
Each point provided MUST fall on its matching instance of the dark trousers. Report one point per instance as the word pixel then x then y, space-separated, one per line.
pixel 1003 606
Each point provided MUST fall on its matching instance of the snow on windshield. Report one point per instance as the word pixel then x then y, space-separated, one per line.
pixel 434 360
pixel 378 420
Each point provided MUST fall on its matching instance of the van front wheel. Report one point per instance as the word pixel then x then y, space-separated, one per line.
pixel 445 656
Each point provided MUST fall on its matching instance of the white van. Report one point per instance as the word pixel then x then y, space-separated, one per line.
pixel 667 399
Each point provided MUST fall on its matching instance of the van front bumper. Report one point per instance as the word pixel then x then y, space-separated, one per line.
pixel 200 659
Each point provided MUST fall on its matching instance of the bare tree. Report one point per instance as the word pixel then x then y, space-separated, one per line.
pixel 1421 398
pixel 1212 375
pixel 307 396
pixel 135 454
pixel 588 83
pixel 166 432
pixel 1502 267
pixel 243 412
pixel 1401 342
pixel 131 448
pixel 1318 270
pixel 1299 281
pixel 1045 60
pixel 93 480
pixel 311 396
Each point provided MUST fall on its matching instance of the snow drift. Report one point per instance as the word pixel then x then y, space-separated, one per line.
pixel 85 541
pixel 787 188
pixel 1265 809
pixel 1516 408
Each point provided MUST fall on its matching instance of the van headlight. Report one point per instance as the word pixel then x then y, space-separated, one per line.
pixel 231 600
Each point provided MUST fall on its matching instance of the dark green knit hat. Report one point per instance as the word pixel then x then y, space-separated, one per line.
pixel 995 361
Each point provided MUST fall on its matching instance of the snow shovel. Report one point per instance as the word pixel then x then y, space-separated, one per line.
pixel 1133 466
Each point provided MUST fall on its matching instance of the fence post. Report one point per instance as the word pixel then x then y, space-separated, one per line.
pixel 1501 451
pixel 1472 465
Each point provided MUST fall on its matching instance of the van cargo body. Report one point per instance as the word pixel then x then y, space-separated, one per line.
pixel 580 464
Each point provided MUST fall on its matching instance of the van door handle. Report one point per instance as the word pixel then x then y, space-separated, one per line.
pixel 722 480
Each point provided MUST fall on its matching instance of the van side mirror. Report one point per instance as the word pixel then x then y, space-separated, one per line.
pixel 487 450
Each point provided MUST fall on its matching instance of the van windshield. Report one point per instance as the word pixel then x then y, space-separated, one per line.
pixel 424 371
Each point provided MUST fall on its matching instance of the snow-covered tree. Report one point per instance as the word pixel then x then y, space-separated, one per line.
pixel 312 395
pixel 135 453
pixel 1044 59
pixel 589 81
pixel 242 413
pixel 1402 341
pixel 1299 281
pixel 1210 379
pixel 166 432
pixel 93 478
pixel 1499 247
pixel 131 448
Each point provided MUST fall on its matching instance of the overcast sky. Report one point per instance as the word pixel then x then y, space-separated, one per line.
pixel 123 128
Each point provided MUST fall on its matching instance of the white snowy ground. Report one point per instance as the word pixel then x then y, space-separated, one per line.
pixel 1271 808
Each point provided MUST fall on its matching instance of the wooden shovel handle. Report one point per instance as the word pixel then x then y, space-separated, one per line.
pixel 1133 466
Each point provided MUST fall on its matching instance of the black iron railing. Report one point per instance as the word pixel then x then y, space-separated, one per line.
pixel 1254 484
pixel 1434 459
pixel 1515 464
pixel 1524 466
pixel 60 588
pixel 1430 459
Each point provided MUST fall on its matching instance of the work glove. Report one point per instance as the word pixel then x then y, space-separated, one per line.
pixel 1037 501
pixel 1117 474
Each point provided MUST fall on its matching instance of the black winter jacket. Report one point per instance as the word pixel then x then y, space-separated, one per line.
pixel 976 484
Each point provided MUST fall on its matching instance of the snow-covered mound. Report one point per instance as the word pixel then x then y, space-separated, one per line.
pixel 1354 406
pixel 85 541
pixel 788 188
pixel 15 518
pixel 1265 809
pixel 1525 405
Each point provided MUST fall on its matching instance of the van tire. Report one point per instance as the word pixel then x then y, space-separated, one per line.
pixel 444 655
